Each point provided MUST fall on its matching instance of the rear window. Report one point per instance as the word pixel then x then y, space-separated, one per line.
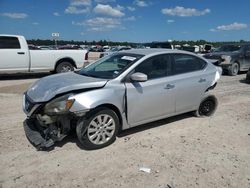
pixel 184 63
pixel 9 43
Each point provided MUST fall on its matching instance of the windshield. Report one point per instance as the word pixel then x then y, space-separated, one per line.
pixel 228 48
pixel 111 66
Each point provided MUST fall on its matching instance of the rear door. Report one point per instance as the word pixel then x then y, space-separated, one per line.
pixel 13 57
pixel 190 81
pixel 155 98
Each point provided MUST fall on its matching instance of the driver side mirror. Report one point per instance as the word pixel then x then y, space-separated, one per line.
pixel 139 77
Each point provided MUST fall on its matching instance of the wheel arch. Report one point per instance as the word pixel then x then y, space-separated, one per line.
pixel 115 109
pixel 65 59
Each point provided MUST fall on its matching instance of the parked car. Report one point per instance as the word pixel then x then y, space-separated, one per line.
pixel 248 76
pixel 166 45
pixel 117 92
pixel 114 50
pixel 45 47
pixel 69 47
pixel 232 58
pixel 17 57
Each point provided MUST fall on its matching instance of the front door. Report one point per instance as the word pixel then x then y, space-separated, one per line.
pixel 13 57
pixel 153 99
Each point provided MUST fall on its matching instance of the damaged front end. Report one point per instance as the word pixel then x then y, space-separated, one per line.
pixel 48 122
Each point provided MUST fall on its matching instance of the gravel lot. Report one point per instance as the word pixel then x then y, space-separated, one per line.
pixel 182 151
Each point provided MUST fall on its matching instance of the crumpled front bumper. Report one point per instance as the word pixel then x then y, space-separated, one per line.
pixel 36 136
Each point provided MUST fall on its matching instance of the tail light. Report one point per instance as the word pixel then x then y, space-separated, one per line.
pixel 87 56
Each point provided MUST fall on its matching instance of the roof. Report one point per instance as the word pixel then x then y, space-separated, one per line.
pixel 151 51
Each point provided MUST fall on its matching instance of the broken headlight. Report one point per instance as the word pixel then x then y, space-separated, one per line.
pixel 226 59
pixel 59 105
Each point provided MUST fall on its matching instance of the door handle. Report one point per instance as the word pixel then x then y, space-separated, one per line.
pixel 21 53
pixel 202 80
pixel 169 86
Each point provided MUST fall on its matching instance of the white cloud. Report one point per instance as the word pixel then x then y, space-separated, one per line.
pixel 100 24
pixel 99 21
pixel 184 12
pixel 82 33
pixel 104 1
pixel 119 7
pixel 56 14
pixel 78 7
pixel 108 10
pixel 140 3
pixel 75 10
pixel 35 23
pixel 15 15
pixel 80 2
pixel 131 18
pixel 131 8
pixel 170 21
pixel 233 26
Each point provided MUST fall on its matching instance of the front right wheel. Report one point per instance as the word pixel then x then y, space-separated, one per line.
pixel 98 129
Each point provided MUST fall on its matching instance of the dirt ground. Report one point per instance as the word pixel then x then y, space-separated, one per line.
pixel 183 151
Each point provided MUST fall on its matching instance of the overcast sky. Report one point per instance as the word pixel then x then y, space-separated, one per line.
pixel 127 20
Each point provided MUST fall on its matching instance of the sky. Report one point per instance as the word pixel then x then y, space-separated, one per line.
pixel 127 20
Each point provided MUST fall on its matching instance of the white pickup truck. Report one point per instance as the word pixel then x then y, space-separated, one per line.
pixel 16 57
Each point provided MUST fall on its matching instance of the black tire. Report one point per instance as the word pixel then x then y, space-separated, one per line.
pixel 234 69
pixel 248 77
pixel 207 107
pixel 85 128
pixel 64 67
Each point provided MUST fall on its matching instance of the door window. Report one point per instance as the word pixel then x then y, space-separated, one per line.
pixel 9 43
pixel 184 63
pixel 155 67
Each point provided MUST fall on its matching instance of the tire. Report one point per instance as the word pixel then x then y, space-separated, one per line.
pixel 207 107
pixel 98 129
pixel 234 69
pixel 64 67
pixel 248 77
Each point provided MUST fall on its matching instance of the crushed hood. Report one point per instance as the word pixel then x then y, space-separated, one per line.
pixel 48 87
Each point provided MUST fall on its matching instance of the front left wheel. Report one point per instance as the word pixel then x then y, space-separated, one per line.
pixel 98 129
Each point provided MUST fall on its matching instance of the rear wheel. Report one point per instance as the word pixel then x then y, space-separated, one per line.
pixel 64 67
pixel 99 129
pixel 207 107
pixel 234 69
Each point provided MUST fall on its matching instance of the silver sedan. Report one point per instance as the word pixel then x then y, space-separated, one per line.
pixel 117 92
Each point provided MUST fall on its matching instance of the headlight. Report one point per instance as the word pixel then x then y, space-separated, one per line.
pixel 60 105
pixel 226 59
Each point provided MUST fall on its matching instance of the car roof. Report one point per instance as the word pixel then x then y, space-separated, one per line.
pixel 152 51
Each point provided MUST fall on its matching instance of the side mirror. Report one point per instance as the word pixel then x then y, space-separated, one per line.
pixel 139 77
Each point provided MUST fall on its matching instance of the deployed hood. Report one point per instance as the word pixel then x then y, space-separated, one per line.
pixel 48 87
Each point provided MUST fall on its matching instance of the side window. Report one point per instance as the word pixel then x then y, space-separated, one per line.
pixel 155 67
pixel 9 43
pixel 184 63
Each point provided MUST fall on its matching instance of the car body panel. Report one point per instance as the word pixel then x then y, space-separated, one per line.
pixel 151 97
pixel 48 87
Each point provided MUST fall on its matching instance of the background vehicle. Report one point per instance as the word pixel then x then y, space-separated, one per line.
pixel 232 58
pixel 248 76
pixel 17 57
pixel 117 92
pixel 114 50
pixel 166 45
